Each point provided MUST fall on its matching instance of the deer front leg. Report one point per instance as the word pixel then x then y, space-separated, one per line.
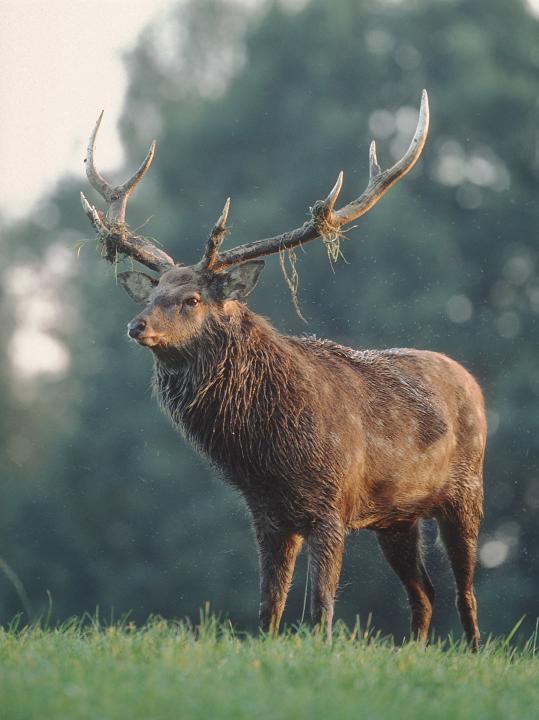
pixel 277 553
pixel 326 547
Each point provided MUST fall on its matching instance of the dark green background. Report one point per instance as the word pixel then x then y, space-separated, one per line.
pixel 101 502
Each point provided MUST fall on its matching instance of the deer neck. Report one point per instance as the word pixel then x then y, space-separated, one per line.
pixel 220 388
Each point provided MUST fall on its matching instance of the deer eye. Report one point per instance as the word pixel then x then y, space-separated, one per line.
pixel 191 302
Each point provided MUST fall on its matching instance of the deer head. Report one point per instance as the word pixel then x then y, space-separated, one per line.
pixel 178 305
pixel 179 300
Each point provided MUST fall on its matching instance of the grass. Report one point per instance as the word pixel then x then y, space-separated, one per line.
pixel 172 670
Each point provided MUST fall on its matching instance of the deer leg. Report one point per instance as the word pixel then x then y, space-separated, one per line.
pixel 401 548
pixel 459 535
pixel 326 547
pixel 277 554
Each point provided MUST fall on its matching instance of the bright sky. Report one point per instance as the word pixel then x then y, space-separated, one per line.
pixel 61 64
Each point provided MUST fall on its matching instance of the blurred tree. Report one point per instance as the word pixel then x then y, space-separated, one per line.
pixel 267 108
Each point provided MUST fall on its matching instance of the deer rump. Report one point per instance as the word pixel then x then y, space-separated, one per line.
pixel 309 430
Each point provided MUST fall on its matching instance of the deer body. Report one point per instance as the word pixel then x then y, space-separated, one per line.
pixel 307 429
pixel 320 439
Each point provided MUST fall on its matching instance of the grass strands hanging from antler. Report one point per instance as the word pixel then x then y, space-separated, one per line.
pixel 292 277
pixel 331 235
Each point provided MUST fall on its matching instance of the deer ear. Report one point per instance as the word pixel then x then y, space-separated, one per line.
pixel 238 282
pixel 138 285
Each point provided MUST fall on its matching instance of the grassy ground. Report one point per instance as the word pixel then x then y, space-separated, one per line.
pixel 165 670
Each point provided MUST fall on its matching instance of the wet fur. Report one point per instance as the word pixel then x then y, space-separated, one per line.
pixel 321 440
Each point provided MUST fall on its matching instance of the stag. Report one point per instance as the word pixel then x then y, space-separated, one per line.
pixel 319 439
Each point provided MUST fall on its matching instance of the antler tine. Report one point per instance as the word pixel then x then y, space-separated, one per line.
pixel 93 215
pixel 97 181
pixel 379 183
pixel 329 202
pixel 374 167
pixel 132 183
pixel 217 236
pixel 223 217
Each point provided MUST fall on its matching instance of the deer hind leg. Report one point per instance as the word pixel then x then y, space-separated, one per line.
pixel 459 531
pixel 277 555
pixel 326 547
pixel 401 548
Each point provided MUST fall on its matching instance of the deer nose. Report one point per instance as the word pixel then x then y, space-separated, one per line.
pixel 135 327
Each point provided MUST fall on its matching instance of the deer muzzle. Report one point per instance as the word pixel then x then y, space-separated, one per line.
pixel 136 327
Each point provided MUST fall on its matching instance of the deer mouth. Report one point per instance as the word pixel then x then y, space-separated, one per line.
pixel 149 340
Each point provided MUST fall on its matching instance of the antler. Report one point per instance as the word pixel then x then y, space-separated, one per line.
pixel 117 239
pixel 327 221
pixel 216 238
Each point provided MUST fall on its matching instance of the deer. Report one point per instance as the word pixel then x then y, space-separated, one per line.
pixel 320 440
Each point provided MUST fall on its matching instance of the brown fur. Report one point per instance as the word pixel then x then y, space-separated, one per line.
pixel 321 440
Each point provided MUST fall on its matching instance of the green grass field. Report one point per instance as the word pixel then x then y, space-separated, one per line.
pixel 166 670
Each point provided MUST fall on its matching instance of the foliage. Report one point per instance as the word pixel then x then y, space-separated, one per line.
pixel 101 502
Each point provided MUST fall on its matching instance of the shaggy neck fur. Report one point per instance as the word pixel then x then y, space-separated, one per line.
pixel 239 392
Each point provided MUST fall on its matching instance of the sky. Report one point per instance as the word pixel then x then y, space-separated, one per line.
pixel 61 64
